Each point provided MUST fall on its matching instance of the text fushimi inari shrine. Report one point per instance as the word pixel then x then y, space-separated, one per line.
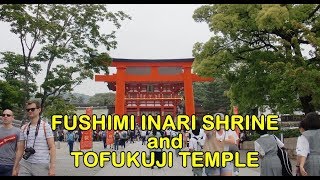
pixel 152 86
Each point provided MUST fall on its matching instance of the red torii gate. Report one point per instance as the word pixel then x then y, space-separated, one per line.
pixel 134 75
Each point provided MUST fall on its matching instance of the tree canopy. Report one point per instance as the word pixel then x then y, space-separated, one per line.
pixel 66 35
pixel 213 96
pixel 103 99
pixel 269 53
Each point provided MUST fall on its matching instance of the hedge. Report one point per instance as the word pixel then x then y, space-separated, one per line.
pixel 288 133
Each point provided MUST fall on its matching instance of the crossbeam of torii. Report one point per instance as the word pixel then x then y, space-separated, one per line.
pixel 184 75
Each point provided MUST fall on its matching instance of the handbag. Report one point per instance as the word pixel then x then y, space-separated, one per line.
pixel 285 161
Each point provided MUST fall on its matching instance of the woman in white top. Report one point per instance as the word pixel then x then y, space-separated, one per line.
pixel 308 146
pixel 300 150
pixel 226 137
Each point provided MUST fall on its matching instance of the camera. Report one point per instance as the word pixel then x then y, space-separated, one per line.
pixel 28 152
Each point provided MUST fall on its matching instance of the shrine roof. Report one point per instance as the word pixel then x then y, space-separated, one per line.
pixel 153 60
pixel 118 62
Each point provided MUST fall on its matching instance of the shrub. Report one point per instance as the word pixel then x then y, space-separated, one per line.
pixel 287 133
pixel 254 136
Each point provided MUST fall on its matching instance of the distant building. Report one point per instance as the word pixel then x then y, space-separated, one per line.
pixel 286 121
pixel 97 110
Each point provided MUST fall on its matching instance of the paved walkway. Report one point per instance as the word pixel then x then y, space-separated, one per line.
pixel 65 164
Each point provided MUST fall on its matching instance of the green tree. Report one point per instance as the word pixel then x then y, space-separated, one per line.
pixel 213 95
pixel 103 99
pixel 59 106
pixel 12 73
pixel 9 96
pixel 259 49
pixel 66 34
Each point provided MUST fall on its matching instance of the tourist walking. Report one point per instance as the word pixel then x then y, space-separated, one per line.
pixel 309 146
pixel 267 146
pixel 9 137
pixel 36 146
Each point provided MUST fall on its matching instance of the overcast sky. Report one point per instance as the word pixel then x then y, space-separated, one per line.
pixel 161 31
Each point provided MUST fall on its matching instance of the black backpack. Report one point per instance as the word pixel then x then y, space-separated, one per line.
pixel 162 133
pixel 117 136
pixel 285 161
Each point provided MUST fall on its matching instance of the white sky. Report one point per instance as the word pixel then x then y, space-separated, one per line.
pixel 161 31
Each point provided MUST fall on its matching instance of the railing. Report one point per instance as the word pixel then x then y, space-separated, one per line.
pixel 291 118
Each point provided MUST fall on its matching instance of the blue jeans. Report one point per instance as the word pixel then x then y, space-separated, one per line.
pixel 104 142
pixel 70 143
pixel 6 170
pixel 116 144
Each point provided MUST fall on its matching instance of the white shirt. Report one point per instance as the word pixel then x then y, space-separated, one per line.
pixel 174 133
pixel 168 132
pixel 201 133
pixel 225 135
pixel 234 134
pixel 302 148
pixel 143 133
pixel 242 135
pixel 193 143
pixel 258 148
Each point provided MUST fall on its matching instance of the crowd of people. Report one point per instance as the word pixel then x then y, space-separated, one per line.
pixel 31 150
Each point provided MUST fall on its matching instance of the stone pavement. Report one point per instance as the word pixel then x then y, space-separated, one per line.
pixel 65 164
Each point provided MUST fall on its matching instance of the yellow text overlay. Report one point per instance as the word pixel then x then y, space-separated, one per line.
pixel 127 122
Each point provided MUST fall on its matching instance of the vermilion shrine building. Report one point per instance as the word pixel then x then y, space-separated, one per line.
pixel 152 86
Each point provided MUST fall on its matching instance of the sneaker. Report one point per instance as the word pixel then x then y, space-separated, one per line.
pixel 236 173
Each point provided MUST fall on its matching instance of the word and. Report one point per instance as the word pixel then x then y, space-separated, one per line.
pixel 165 142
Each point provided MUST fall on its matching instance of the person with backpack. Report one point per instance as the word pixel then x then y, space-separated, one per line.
pixel 158 151
pixel 131 134
pixel 266 145
pixel 70 140
pixel 104 139
pixel 308 146
pixel 116 140
pixel 196 143
pixel 196 138
pixel 176 133
pixel 143 136
pixel 36 154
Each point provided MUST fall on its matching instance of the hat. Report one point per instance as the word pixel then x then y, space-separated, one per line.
pixel 219 114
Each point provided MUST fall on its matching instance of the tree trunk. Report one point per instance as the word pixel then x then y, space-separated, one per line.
pixel 306 104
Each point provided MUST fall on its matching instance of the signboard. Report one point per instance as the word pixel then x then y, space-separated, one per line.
pixel 110 137
pixel 86 138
